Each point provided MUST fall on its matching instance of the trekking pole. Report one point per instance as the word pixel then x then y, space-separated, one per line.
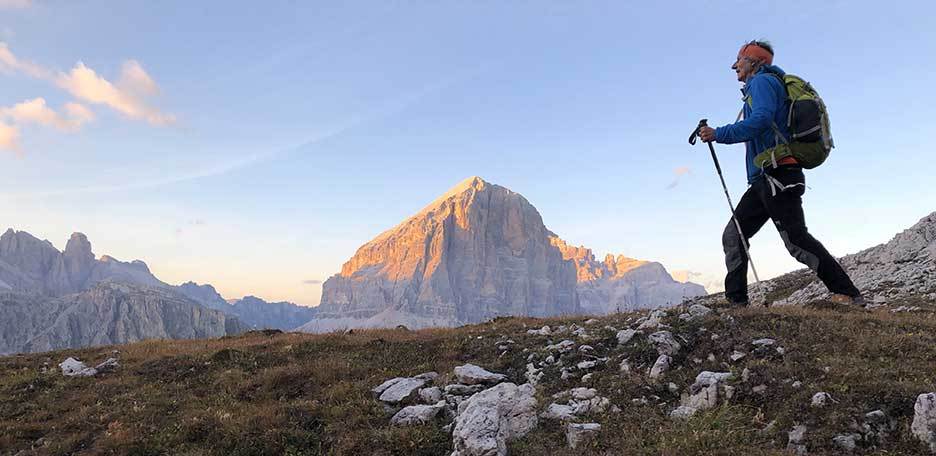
pixel 692 140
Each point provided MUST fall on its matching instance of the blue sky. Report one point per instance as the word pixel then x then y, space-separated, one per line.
pixel 256 145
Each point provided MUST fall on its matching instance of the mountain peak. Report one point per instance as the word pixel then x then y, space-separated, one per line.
pixel 78 246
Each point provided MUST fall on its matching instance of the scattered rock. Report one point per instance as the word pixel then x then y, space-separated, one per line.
pixel 586 349
pixel 430 395
pixel 704 393
pixel 821 399
pixel 924 420
pixel 72 367
pixel 585 365
pixel 110 365
pixel 736 355
pixel 683 412
pixel 561 347
pixel 699 311
pixel 661 365
pixel 427 376
pixel 847 443
pixel 664 342
pixel 402 390
pixel 463 390
pixel 591 321
pixel 533 375
pixel 580 434
pixel 487 421
pixel 797 440
pixel 560 412
pixel 469 374
pixel 759 389
pixel 625 366
pixel 544 331
pixel 417 414
pixel 625 335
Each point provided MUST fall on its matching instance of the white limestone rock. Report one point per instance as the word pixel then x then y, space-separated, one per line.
pixel 401 390
pixel 664 342
pixel 417 414
pixel 821 399
pixel 924 420
pixel 707 390
pixel 469 374
pixel 578 434
pixel 487 421
pixel 625 335
pixel 661 365
pixel 430 395
pixel 72 367
pixel 796 442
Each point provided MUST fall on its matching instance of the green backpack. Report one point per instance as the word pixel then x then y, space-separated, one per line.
pixel 807 121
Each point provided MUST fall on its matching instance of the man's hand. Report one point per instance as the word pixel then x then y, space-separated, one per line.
pixel 707 134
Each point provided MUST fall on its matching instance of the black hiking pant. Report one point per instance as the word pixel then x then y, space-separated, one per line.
pixel 778 197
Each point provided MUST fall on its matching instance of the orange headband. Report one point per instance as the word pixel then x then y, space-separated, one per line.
pixel 755 52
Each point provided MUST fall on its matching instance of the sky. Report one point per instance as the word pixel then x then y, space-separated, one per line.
pixel 256 145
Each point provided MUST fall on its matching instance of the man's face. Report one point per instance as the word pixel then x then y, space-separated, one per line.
pixel 743 67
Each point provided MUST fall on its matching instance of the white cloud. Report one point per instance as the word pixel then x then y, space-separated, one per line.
pixel 681 170
pixel 9 63
pixel 133 78
pixel 85 84
pixel 15 4
pixel 9 138
pixel 36 111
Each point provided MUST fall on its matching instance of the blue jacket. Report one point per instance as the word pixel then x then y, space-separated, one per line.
pixel 768 102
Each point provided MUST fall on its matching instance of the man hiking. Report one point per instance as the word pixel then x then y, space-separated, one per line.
pixel 775 190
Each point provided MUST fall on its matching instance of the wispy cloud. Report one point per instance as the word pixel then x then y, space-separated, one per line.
pixel 15 4
pixel 9 138
pixel 36 111
pixel 129 96
pixel 10 63
pixel 312 282
pixel 678 173
pixel 85 84
pixel 382 111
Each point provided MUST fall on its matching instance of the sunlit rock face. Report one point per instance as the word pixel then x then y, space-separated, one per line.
pixel 477 252
pixel 621 284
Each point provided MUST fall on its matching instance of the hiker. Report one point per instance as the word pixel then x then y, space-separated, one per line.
pixel 775 188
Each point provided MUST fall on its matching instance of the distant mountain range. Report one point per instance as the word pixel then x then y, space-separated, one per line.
pixel 477 252
pixel 52 299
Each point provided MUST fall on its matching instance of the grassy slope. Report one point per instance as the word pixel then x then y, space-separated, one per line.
pixel 309 394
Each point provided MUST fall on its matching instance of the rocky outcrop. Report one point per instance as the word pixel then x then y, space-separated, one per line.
pixel 108 313
pixel 622 284
pixel 904 266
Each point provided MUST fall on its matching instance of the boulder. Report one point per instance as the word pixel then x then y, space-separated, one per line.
pixel 560 412
pixel 417 414
pixel 707 390
pixel 579 434
pixel 430 395
pixel 846 443
pixel 625 335
pixel 72 367
pixel 463 390
pixel 924 420
pixel 469 374
pixel 664 342
pixel 821 399
pixel 487 421
pixel 401 390
pixel 661 365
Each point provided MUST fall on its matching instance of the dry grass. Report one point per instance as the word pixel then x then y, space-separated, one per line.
pixel 299 394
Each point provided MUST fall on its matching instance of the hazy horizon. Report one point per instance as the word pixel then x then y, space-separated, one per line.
pixel 256 147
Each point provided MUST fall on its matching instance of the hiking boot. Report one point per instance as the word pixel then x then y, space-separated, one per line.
pixel 847 300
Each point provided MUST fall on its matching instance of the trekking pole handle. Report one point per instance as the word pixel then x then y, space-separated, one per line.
pixel 695 133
